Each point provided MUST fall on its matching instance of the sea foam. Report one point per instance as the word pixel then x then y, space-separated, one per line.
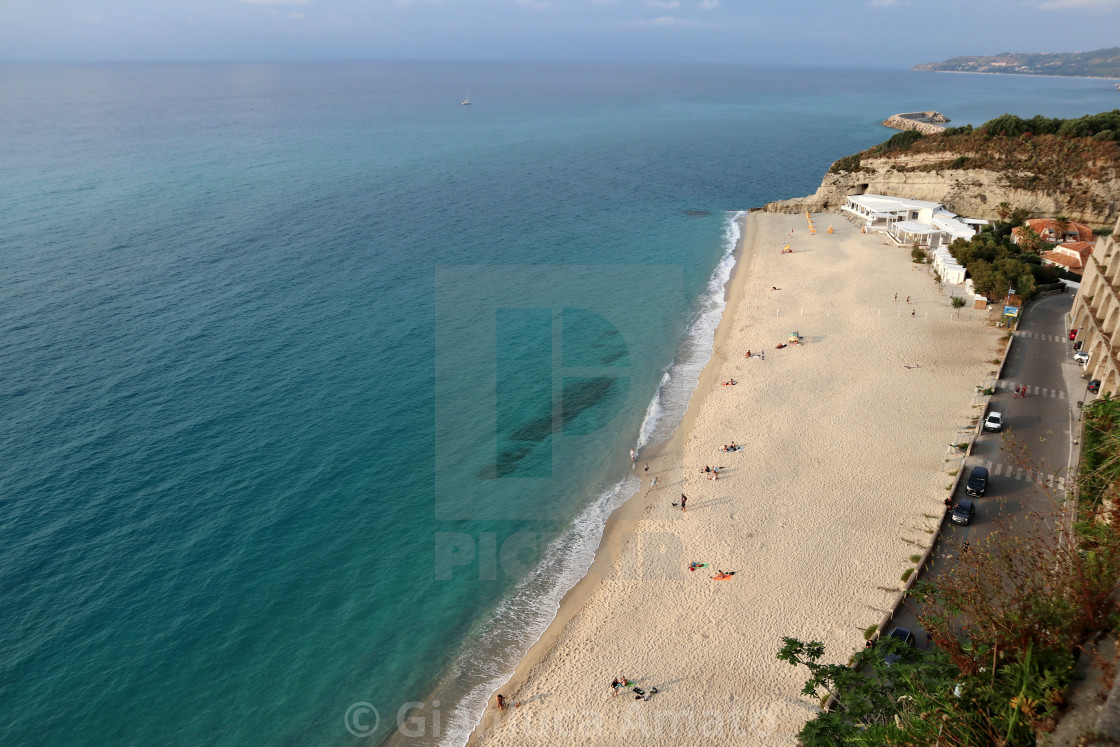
pixel 524 616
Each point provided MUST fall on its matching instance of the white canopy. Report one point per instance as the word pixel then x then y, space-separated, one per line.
pixel 913 226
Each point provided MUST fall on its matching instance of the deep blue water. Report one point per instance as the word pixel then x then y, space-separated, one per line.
pixel 316 386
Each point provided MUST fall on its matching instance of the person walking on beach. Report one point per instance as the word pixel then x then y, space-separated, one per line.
pixel 908 299
pixel 633 456
pixel 895 296
pixel 647 468
pixel 684 500
pixel 501 702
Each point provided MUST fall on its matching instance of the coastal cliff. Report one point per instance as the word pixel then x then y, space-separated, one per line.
pixel 971 173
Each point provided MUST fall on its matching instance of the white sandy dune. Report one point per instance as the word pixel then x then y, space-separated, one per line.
pixel 840 475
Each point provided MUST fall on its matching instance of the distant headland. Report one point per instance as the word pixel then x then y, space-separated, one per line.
pixel 1100 63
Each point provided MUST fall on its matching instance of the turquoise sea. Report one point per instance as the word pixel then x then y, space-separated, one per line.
pixel 316 386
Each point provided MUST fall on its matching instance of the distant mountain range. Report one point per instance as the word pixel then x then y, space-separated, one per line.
pixel 1101 63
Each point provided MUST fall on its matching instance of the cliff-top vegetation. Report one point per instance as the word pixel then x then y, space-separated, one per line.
pixel 1040 154
pixel 1007 142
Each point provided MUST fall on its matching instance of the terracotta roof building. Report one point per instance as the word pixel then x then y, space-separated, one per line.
pixel 1049 230
pixel 1072 256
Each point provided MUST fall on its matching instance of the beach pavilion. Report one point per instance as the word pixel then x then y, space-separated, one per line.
pixel 880 212
pixel 909 222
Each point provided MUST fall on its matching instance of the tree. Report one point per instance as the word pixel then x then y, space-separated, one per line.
pixel 1029 240
pixel 1003 210
pixel 958 304
pixel 1061 224
pixel 1007 125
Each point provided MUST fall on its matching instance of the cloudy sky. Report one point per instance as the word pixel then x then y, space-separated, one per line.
pixel 876 33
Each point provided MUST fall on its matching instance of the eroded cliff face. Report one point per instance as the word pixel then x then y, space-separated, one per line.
pixel 1091 197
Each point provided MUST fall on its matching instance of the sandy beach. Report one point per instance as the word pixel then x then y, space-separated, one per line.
pixel 840 480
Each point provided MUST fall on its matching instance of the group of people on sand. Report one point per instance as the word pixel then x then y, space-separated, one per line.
pixel 712 473
pixel 729 382
pixel 730 447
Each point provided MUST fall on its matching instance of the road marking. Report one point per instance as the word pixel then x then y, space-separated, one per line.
pixel 1032 391
pixel 1015 472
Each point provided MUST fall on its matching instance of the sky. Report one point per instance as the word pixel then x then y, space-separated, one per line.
pixel 849 33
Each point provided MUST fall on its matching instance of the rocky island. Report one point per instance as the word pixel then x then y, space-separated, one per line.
pixel 927 123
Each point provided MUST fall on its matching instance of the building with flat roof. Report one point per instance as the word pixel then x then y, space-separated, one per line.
pixel 909 222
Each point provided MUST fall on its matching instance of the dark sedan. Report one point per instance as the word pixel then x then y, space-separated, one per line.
pixel 977 483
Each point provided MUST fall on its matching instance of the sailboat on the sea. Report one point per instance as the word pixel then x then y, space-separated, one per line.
pixel 467 100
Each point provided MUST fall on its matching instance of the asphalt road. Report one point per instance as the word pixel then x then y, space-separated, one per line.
pixel 1040 358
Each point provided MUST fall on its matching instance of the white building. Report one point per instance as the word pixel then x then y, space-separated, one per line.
pixel 946 267
pixel 910 222
pixel 880 212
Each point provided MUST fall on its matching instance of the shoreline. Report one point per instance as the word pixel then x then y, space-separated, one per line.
pixel 622 522
pixel 817 544
pixel 1021 75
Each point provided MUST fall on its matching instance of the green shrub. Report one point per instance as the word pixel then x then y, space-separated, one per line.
pixel 1006 125
pixel 907 574
pixel 899 142
pixel 950 131
pixel 847 163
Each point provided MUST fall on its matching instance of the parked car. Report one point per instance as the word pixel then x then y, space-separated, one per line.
pixel 1095 385
pixel 963 512
pixel 903 635
pixel 977 483
pixel 1073 334
pixel 1081 356
pixel 994 422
